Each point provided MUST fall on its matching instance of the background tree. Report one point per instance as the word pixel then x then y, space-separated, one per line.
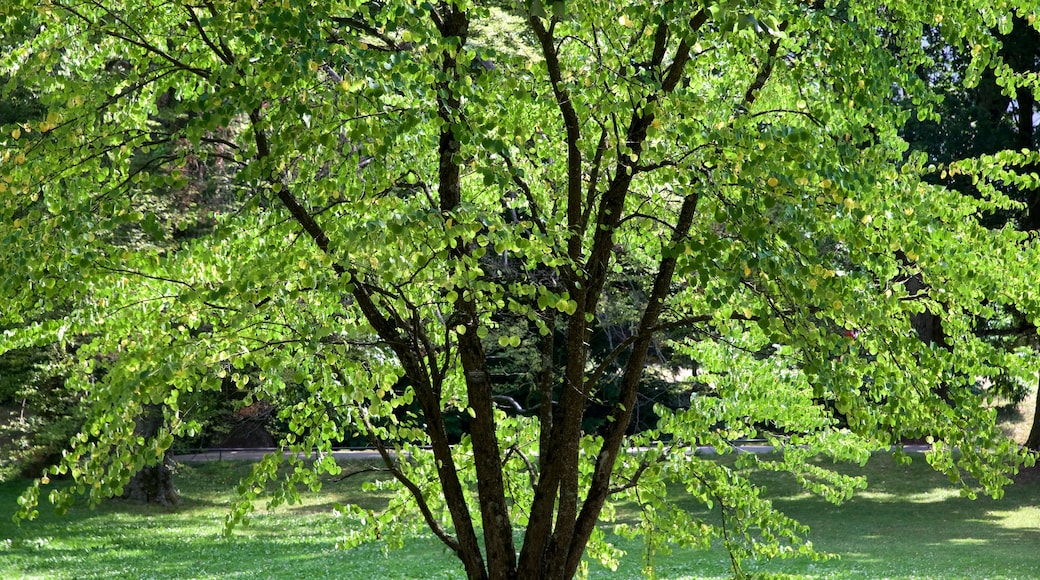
pixel 982 120
pixel 745 156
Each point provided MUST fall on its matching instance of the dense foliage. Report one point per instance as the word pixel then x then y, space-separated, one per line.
pixel 397 191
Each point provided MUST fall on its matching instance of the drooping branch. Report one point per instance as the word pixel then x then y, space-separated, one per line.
pixel 640 470
pixel 416 491
pixel 531 471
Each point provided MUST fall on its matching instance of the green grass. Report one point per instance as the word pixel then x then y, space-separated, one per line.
pixel 908 524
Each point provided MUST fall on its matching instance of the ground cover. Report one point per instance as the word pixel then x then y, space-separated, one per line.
pixel 908 524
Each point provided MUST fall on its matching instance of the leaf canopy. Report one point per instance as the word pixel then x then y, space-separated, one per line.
pixel 344 208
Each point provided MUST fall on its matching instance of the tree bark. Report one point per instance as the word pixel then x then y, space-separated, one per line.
pixel 154 484
pixel 1033 441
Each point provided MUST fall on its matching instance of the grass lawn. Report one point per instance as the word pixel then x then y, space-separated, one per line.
pixel 908 524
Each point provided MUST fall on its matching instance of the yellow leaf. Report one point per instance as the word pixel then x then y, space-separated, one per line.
pixel 16 133
pixel 624 20
pixel 773 182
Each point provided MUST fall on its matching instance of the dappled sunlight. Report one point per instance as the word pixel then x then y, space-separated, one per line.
pixel 910 523
pixel 930 496
pixel 1024 518
pixel 968 541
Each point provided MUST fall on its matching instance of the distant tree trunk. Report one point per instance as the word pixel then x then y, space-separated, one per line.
pixel 1024 55
pixel 928 325
pixel 153 484
pixel 1033 441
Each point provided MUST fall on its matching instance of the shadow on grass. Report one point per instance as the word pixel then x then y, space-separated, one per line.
pixel 910 523
pixel 123 540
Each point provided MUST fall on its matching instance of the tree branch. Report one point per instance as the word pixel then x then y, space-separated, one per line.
pixel 354 23
pixel 536 213
pixel 416 491
pixel 226 57
pixel 572 127
pixel 751 94
pixel 142 43
pixel 599 489
pixel 594 174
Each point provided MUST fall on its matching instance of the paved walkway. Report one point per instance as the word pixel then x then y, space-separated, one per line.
pixel 259 453
pixel 370 454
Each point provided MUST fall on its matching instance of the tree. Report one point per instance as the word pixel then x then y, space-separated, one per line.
pixel 37 416
pixel 745 155
pixel 984 119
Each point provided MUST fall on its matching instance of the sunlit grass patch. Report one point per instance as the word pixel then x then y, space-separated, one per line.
pixel 909 524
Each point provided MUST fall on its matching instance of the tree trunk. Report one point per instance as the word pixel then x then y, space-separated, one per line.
pixel 152 484
pixel 1033 441
pixel 1023 56
pixel 928 325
